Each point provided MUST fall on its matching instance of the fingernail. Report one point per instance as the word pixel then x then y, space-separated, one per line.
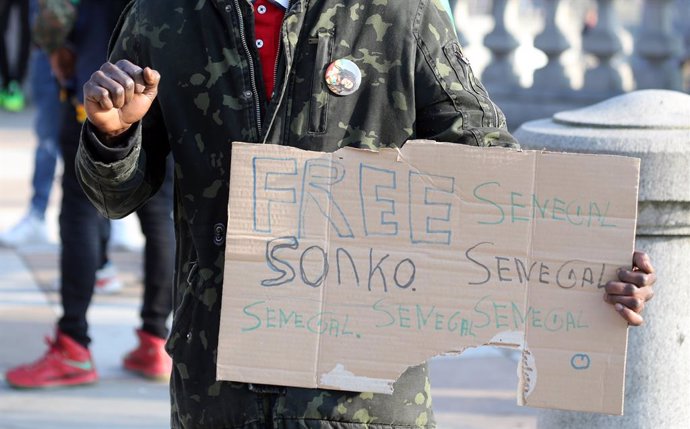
pixel 618 307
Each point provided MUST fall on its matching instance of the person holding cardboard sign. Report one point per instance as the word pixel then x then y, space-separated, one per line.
pixel 190 78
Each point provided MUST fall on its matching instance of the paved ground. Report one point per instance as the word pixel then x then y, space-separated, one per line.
pixel 476 391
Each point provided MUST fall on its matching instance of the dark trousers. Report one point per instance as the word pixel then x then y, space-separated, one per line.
pixel 17 72
pixel 84 235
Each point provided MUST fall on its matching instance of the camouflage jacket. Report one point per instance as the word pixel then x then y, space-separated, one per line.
pixel 416 83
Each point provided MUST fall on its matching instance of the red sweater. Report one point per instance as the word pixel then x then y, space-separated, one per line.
pixel 268 16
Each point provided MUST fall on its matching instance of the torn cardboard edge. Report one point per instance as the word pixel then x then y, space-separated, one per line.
pixel 340 378
pixel 254 340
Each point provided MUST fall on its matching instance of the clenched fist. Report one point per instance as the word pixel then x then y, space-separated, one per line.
pixel 119 95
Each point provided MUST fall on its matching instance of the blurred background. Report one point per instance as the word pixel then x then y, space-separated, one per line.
pixel 538 57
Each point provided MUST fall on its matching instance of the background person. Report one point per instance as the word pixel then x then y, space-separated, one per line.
pixel 84 233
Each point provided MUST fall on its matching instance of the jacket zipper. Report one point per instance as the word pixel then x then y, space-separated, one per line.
pixel 252 71
pixel 275 67
pixel 470 78
pixel 291 3
pixel 491 105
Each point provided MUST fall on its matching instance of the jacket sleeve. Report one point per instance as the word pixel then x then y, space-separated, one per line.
pixel 452 105
pixel 120 177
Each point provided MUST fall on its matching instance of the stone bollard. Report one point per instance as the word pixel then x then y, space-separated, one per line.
pixel 653 125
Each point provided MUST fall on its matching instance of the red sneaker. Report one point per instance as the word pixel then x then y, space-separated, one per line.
pixel 149 359
pixel 66 363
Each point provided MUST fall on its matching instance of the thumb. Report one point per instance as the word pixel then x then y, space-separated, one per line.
pixel 146 82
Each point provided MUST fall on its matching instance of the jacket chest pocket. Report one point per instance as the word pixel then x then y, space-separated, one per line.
pixel 318 104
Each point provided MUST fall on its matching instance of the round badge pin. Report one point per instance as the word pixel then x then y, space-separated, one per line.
pixel 343 77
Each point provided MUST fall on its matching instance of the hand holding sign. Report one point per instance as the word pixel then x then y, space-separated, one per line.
pixel 633 289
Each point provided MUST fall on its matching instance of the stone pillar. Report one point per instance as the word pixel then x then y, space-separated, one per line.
pixel 681 14
pixel 603 42
pixel 653 125
pixel 657 48
pixel 500 74
pixel 553 43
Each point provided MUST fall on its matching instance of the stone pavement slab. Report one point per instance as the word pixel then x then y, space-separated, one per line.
pixel 118 400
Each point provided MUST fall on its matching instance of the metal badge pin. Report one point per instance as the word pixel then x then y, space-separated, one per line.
pixel 343 77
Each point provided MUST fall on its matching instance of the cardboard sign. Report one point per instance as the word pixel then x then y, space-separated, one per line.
pixel 344 269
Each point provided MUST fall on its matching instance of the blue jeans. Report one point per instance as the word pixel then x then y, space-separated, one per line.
pixel 46 98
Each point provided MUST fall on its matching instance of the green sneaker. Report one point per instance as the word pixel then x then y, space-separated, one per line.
pixel 13 97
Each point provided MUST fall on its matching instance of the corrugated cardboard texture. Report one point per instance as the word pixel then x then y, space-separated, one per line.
pixel 344 269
